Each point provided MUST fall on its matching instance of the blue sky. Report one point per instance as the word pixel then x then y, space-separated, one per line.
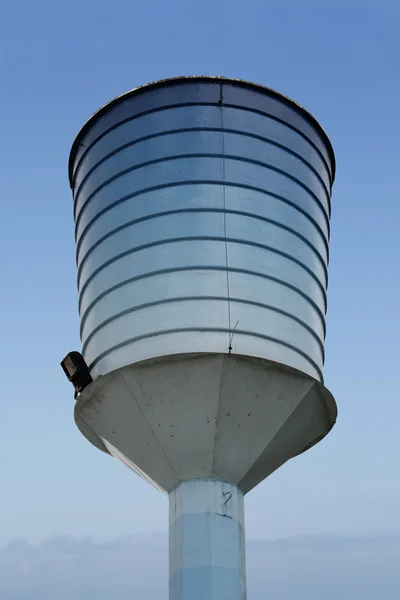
pixel 60 62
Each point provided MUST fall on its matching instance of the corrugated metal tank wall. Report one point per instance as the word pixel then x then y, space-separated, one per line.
pixel 202 222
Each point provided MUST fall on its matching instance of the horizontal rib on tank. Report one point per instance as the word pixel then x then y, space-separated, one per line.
pixel 202 222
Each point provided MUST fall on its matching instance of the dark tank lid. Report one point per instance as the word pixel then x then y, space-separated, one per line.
pixel 205 79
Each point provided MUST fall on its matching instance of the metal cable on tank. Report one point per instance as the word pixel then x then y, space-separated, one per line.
pixel 221 103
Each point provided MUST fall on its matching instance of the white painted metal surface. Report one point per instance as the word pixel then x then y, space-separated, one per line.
pixel 202 219
pixel 207 548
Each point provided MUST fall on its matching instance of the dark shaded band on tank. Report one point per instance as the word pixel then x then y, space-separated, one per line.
pixel 221 211
pixel 203 79
pixel 207 330
pixel 145 305
pixel 222 268
pixel 203 182
pixel 192 130
pixel 211 238
pixel 198 155
pixel 200 104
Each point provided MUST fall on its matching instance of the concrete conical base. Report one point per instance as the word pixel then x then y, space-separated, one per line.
pixel 224 417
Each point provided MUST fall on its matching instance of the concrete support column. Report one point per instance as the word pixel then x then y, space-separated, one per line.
pixel 207 547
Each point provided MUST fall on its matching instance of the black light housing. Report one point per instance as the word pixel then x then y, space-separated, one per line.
pixel 77 371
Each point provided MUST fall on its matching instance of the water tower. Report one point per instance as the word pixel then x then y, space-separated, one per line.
pixel 202 208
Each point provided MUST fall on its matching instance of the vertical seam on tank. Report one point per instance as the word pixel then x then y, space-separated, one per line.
pixel 221 104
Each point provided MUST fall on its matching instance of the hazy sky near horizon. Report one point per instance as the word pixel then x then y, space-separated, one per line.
pixel 130 568
pixel 59 63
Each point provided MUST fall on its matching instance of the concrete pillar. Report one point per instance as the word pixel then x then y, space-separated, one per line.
pixel 207 546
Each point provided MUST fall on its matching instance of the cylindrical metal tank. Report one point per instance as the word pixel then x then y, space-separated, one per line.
pixel 202 212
